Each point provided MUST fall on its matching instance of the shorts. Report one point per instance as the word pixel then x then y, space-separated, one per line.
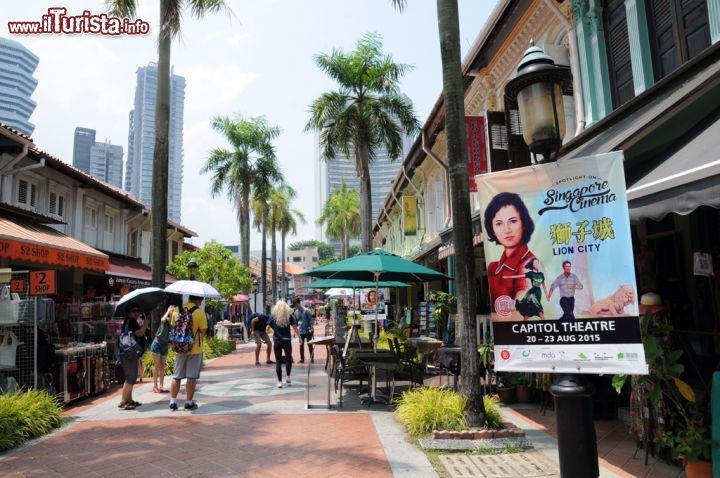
pixel 130 364
pixel 158 348
pixel 188 366
pixel 261 336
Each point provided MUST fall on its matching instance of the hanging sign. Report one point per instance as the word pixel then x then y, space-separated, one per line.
pixel 560 268
pixel 42 283
pixel 409 208
pixel 702 264
pixel 17 285
pixel 476 147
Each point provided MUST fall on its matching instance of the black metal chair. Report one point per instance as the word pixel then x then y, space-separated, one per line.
pixel 345 372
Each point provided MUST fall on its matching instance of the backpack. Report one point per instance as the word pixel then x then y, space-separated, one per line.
pixel 127 344
pixel 182 337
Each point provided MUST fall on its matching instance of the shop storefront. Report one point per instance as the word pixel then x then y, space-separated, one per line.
pixel 52 337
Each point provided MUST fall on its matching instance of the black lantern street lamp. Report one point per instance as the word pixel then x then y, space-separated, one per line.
pixel 192 268
pixel 538 91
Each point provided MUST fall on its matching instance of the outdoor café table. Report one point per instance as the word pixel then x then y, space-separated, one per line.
pixel 425 345
pixel 448 358
pixel 380 359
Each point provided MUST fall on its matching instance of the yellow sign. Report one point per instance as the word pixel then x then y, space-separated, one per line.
pixel 409 207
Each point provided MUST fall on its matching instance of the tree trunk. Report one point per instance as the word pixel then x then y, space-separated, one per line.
pixel 284 279
pixel 363 171
pixel 263 265
pixel 273 260
pixel 160 161
pixel 460 200
pixel 344 245
pixel 245 227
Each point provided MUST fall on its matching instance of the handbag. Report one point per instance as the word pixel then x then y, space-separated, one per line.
pixel 127 344
pixel 8 350
pixel 9 307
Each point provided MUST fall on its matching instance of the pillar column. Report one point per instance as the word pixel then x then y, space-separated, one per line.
pixel 579 9
pixel 714 19
pixel 639 39
pixel 601 75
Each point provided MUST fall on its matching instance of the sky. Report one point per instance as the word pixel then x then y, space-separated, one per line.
pixel 255 60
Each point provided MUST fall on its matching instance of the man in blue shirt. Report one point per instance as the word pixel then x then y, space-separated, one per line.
pixel 567 283
pixel 305 322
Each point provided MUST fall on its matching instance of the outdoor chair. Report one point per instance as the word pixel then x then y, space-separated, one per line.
pixel 345 372
pixel 409 371
pixel 404 352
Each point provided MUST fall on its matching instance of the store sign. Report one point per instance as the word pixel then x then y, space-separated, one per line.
pixel 17 285
pixel 560 268
pixel 409 208
pixel 42 283
pixel 49 255
pixel 477 148
pixel 131 282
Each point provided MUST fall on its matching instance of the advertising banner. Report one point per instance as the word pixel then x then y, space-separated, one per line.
pixel 477 148
pixel 409 208
pixel 560 268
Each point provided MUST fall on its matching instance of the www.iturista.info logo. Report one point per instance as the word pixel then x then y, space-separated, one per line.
pixel 57 21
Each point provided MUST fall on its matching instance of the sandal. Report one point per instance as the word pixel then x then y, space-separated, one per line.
pixel 163 390
pixel 122 405
pixel 134 404
pixel 157 390
pixel 129 406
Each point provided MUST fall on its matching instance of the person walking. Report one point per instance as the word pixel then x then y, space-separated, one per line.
pixel 281 320
pixel 188 365
pixel 567 283
pixel 305 322
pixel 136 325
pixel 258 325
pixel 159 349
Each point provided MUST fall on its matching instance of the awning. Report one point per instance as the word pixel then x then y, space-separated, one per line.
pixel 128 272
pixel 23 240
pixel 685 179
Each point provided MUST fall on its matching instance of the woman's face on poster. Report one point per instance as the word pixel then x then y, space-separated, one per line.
pixel 507 227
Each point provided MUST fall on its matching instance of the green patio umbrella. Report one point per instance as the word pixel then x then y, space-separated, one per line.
pixel 376 265
pixel 351 284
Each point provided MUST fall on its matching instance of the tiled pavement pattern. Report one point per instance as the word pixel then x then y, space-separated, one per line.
pixel 245 426
pixel 616 446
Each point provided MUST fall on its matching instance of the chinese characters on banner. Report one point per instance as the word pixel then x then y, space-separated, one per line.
pixel 560 268
pixel 476 145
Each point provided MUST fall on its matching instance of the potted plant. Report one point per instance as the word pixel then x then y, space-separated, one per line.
pixel 685 435
pixel 505 387
pixel 690 442
pixel 523 388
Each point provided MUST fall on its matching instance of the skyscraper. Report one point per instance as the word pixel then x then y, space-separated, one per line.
pixel 141 139
pixel 17 84
pixel 106 162
pixel 84 140
pixel 331 174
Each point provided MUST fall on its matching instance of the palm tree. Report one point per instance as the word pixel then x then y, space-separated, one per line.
pixel 171 13
pixel 341 216
pixel 243 169
pixel 364 115
pixel 286 222
pixel 259 207
pixel 449 31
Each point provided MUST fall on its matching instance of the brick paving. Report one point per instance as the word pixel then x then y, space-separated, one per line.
pixel 616 446
pixel 244 427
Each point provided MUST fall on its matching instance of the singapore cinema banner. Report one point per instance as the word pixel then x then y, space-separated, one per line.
pixel 560 268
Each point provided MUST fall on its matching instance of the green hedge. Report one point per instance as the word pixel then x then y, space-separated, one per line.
pixel 26 415
pixel 212 348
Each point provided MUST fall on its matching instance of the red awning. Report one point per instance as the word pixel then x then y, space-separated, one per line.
pixel 23 240
pixel 127 268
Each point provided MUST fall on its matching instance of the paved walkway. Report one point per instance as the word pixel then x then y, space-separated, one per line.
pixel 245 426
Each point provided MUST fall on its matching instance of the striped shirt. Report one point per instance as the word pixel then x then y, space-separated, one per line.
pixel 566 284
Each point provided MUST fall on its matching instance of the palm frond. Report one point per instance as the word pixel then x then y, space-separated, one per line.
pixel 121 8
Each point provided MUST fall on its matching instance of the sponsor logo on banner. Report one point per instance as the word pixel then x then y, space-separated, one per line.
pixel 560 267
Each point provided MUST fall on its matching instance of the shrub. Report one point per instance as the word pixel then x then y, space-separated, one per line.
pixel 425 409
pixel 492 412
pixel 213 347
pixel 26 415
pixel 149 364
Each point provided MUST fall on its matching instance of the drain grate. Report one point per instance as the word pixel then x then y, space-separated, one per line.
pixel 512 465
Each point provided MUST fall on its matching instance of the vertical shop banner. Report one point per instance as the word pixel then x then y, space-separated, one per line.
pixel 477 148
pixel 560 268
pixel 409 208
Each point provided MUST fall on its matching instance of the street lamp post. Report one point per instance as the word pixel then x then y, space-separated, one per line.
pixel 538 89
pixel 192 268
pixel 255 292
